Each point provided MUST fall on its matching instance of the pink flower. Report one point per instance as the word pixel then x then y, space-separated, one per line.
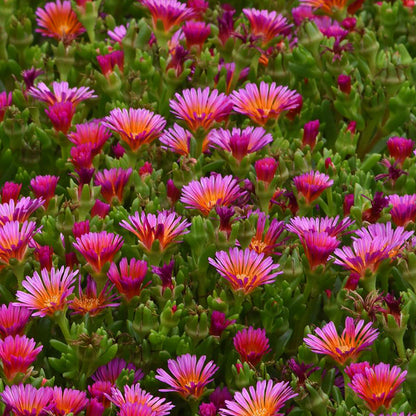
pixel 5 101
pixel 196 33
pixel 91 133
pixel 111 371
pixel 177 140
pixel 219 323
pixel 312 184
pixel 403 209
pixel 13 320
pixel 19 211
pixel 44 187
pixel 68 401
pixel 10 190
pixel 113 182
pixel 251 344
pixel 109 61
pixel 61 115
pixel 400 148
pixel 118 33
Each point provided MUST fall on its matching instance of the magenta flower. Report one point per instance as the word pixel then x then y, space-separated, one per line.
pixel 265 102
pixel 136 409
pixel 165 274
pixel 177 140
pixel 13 320
pixel 91 133
pixel 43 255
pixel 10 190
pixel 347 346
pixel 44 187
pixel 165 227
pixel 344 83
pixel 403 209
pixel 118 33
pixel 130 279
pixel 100 208
pixel 219 323
pixel 240 143
pixel 245 269
pixel 266 169
pixel 19 211
pixel 210 192
pixel 61 115
pixel 196 33
pixel 109 61
pixel 331 226
pixel 68 401
pixel 400 148
pixel 312 184
pixel 201 108
pixel 5 101
pixel 113 182
pixel 98 248
pixel 310 132
pixel 29 76
pixel 266 398
pixel 189 375
pixel 251 344
pixel 111 371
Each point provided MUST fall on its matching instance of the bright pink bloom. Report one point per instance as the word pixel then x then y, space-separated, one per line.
pixel 251 344
pixel 130 279
pixel 136 409
pixel 310 132
pixel 189 375
pixel 81 158
pixel 109 61
pixel 344 83
pixel 43 255
pixel 196 33
pixel 61 115
pixel 118 33
pixel 165 274
pixel 145 170
pixel 199 6
pixel 266 398
pixel 207 409
pixel 44 187
pixel 20 210
pixel 400 148
pixel 177 140
pixel 92 133
pixel 219 323
pixel 111 371
pixel 326 6
pixel 165 227
pixel 80 228
pixel 403 209
pixel 318 247
pixel 135 126
pixel 5 101
pixel 245 269
pixel 94 407
pixel 10 190
pixel 100 391
pixel 266 169
pixel 100 208
pixel 201 108
pixel 47 292
pixel 331 226
pixel 312 184
pixel 265 102
pixel 13 320
pixel 209 192
pixel 112 183
pixel 98 248
pixel 68 401
pixel 354 368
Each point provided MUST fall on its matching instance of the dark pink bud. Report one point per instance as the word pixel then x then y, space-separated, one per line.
pixel 173 193
pixel 118 150
pixel 400 148
pixel 328 163
pixel 310 132
pixel 348 203
pixel 10 191
pixel 81 228
pixel 266 169
pixel 344 83
pixel 71 260
pixel 207 409
pixel 44 187
pixel 61 114
pixel 146 170
pixel 349 23
pixel 352 126
pixel 100 208
pixel 44 256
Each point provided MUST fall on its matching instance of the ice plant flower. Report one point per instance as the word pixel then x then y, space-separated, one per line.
pixel 118 33
pixel 112 370
pixel 177 140
pixel 266 398
pixel 98 248
pixel 347 346
pixel 129 280
pixel 266 242
pixel 58 20
pixel 245 269
pixel 219 323
pixel 44 187
pixel 312 184
pixel 5 101
pixel 165 227
pixel 210 192
pixel 10 190
pixel 327 6
pixel 165 274
pixel 91 133
pixel 136 127
pixel 196 33
pixel 47 292
pixel 20 210
pixel 113 182
pixel 400 148
pixel 331 226
pixel 403 209
pixel 136 409
pixel 266 169
pixel 26 400
pixel 201 108
pixel 61 114
pixel 378 385
pixel 251 344
pixel 135 394
pixel 310 132
pixel 189 375
pixel 170 12
pixel 66 401
pixel 17 354
pixel 267 25
pixel 108 62
pixel 240 143
pixel 263 103
pixel 13 320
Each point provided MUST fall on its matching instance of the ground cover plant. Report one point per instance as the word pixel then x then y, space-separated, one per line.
pixel 207 208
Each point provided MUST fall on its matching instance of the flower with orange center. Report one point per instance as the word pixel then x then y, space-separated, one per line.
pixel 135 126
pixel 347 346
pixel 47 292
pixel 265 102
pixel 189 375
pixel 207 193
pixel 312 184
pixel 178 140
pixel 165 227
pixel 113 182
pixel 92 133
pixel 68 401
pixel 59 21
pixel 20 210
pixel 98 248
pixel 327 6
pixel 265 399
pixel 201 108
pixel 245 269
pixel 251 344
pixel 13 320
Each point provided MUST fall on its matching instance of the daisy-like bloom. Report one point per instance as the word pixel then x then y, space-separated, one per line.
pixel 327 6
pixel 17 354
pixel 312 184
pixel 14 240
pixel 58 20
pixel 177 140
pixel 240 143
pixel 265 102
pixel 196 33
pixel 68 401
pixel 136 409
pixel 44 187
pixel 135 126
pixel 90 302
pixel 26 400
pixel 403 209
pixel 354 368
pixel 251 344
pixel 189 375
pixel 109 61
pixel 331 226
pixel 92 133
pixel 169 12
pixel 164 227
pixel 135 394
pixel 61 114
pixel 266 242
pixel 100 391
pixel 400 148
pixel 347 346
pixel 129 281
pixel 10 190
pixel 5 101
pixel 266 398
pixel 13 320
pixel 219 323
pixel 20 210
pixel 47 292
pixel 245 269
pixel 113 182
pixel 118 33
pixel 378 385
pixel 61 93
pixel 98 248
pixel 111 371
pixel 210 192
pixel 201 108
pixel 267 25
